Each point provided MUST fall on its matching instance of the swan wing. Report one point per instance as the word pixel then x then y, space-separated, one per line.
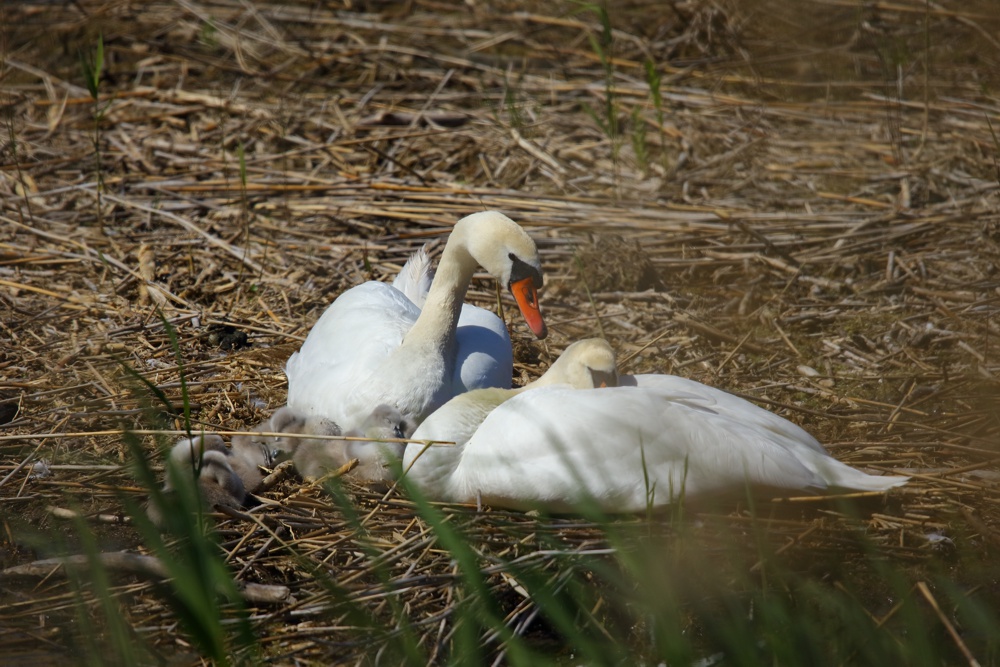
pixel 414 279
pixel 752 415
pixel 355 334
pixel 767 426
pixel 484 356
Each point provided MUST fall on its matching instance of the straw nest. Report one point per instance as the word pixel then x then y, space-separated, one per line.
pixel 828 251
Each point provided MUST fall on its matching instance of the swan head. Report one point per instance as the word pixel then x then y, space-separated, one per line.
pixel 586 364
pixel 509 255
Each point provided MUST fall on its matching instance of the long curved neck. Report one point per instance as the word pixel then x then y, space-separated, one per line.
pixel 555 375
pixel 439 316
pixel 542 381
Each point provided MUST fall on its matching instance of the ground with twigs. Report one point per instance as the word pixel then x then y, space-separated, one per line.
pixel 798 206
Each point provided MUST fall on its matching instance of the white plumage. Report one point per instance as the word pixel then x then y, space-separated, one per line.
pixel 642 443
pixel 376 345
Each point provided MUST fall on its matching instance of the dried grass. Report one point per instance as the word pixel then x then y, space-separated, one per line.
pixel 831 254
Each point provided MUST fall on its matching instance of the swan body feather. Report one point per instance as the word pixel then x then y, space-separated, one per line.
pixel 641 444
pixel 375 344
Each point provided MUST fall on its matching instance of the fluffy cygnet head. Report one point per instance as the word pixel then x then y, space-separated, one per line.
pixel 383 423
pixel 376 456
pixel 284 420
pixel 250 451
pixel 315 457
pixel 217 482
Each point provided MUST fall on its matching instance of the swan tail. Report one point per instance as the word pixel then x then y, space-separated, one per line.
pixel 414 280
pixel 845 477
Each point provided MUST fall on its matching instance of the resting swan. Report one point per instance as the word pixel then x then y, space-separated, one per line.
pixel 375 346
pixel 642 443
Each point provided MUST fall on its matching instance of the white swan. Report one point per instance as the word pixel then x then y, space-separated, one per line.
pixel 643 443
pixel 375 346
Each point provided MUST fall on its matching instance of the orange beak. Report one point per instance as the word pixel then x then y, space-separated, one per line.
pixel 527 300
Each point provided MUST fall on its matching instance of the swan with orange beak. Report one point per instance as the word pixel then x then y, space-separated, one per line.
pixel 414 344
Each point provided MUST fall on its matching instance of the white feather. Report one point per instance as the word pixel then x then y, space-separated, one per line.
pixel 640 444
pixel 375 346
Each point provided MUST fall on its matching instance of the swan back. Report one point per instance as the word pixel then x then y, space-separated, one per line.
pixel 717 400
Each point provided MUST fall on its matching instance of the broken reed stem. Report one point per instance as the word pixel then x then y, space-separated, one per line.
pixel 957 638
